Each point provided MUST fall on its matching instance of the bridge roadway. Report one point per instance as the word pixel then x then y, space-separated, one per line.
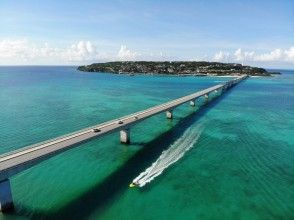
pixel 16 161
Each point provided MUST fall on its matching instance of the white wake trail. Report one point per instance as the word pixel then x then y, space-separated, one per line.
pixel 175 152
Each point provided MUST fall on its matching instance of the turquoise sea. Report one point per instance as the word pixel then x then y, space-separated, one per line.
pixel 240 162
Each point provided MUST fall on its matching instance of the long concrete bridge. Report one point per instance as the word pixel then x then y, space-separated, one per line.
pixel 16 161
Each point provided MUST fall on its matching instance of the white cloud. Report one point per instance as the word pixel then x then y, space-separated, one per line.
pixel 290 54
pixel 221 56
pixel 23 51
pixel 238 55
pixel 18 49
pixel 276 55
pixel 125 54
pixel 241 56
pixel 82 51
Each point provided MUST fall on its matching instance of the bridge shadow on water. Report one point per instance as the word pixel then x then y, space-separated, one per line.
pixel 103 193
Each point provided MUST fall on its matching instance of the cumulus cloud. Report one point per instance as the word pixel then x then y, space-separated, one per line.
pixel 242 56
pixel 25 52
pixel 82 51
pixel 276 55
pixel 19 49
pixel 290 54
pixel 221 56
pixel 125 54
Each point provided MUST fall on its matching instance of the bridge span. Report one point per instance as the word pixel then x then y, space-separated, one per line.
pixel 16 161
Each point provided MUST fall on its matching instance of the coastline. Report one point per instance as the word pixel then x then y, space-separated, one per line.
pixel 179 75
pixel 176 68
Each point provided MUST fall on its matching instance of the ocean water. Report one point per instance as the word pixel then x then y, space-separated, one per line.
pixel 230 159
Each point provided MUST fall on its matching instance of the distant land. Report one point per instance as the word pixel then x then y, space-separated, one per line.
pixel 182 68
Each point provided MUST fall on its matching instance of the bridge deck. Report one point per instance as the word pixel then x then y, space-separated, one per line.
pixel 16 161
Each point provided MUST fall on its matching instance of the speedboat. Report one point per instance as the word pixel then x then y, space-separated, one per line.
pixel 133 184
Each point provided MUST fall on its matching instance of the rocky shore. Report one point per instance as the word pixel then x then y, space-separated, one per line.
pixel 176 68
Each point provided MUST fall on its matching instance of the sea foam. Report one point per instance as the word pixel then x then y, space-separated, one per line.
pixel 168 157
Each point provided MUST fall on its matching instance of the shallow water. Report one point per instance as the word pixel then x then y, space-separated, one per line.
pixel 241 167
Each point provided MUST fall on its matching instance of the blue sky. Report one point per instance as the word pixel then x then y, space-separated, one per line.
pixel 80 32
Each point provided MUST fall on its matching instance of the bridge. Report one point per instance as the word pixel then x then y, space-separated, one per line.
pixel 17 161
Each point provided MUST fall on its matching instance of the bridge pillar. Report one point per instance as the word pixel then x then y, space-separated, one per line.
pixel 193 102
pixel 215 91
pixel 125 136
pixel 6 202
pixel 169 114
pixel 206 98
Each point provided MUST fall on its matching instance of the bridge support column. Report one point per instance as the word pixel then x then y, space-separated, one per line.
pixel 6 202
pixel 125 136
pixel 206 98
pixel 169 114
pixel 193 102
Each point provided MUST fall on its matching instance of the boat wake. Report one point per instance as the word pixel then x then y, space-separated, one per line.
pixel 175 152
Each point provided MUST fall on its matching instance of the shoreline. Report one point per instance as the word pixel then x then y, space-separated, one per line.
pixel 178 75
pixel 176 68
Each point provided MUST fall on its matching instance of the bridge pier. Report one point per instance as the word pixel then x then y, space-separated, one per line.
pixel 125 136
pixel 193 102
pixel 6 202
pixel 206 98
pixel 16 162
pixel 169 114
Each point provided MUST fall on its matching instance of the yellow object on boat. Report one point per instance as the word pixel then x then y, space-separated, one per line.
pixel 132 185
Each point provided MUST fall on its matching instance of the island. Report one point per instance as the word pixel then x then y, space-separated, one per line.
pixel 181 68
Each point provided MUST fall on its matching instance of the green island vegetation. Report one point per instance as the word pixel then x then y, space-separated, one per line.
pixel 183 68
